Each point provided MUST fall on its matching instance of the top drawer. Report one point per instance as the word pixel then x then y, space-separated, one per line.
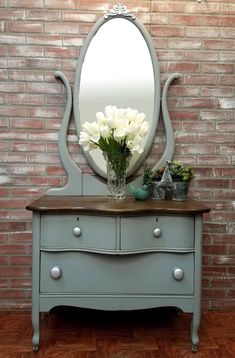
pixel 157 232
pixel 77 231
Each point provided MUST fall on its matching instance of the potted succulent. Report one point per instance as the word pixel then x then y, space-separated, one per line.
pixel 181 177
pixel 180 174
pixel 151 179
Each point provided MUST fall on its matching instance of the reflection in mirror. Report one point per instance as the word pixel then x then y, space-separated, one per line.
pixel 117 70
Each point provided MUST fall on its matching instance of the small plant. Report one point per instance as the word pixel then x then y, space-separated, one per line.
pixel 180 172
pixel 151 176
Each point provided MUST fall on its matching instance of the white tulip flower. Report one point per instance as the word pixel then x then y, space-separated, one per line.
pixel 125 126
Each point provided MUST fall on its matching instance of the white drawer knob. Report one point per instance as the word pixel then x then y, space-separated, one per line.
pixel 178 274
pixel 56 272
pixel 157 232
pixel 77 231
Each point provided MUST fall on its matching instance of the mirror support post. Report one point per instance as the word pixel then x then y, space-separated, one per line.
pixel 74 183
pixel 170 141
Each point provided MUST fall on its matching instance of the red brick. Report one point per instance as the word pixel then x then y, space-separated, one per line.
pixel 21 260
pixel 14 272
pixel 26 51
pixel 61 4
pixel 26 3
pixel 201 56
pixel 21 283
pixel 200 79
pixel 4 260
pixel 25 75
pixel 211 44
pixel 78 17
pixel 12 14
pixel 12 39
pixel 22 237
pixel 197 149
pixel 26 98
pixel 100 5
pixel 12 87
pixel 3 51
pixel 167 6
pixel 198 103
pixel 182 67
pixel 69 40
pixel 204 7
pixel 20 304
pixel 227 80
pixel 218 68
pixel 162 31
pixel 228 8
pixel 43 39
pixel 5 214
pixel 20 215
pixel 213 293
pixel 41 112
pixel 44 63
pixel 10 293
pixel 185 20
pixel 214 137
pixel 3 98
pixel 3 74
pixel 46 181
pixel 3 283
pixel 44 15
pixel 25 26
pixel 220 21
pixel 62 28
pixel 227 126
pixel 54 170
pixel 228 33
pixel 202 32
pixel 213 160
pixel 217 92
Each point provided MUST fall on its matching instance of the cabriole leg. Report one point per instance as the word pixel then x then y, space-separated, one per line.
pixel 194 331
pixel 36 330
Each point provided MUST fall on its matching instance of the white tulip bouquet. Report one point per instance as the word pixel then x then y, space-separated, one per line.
pixel 119 133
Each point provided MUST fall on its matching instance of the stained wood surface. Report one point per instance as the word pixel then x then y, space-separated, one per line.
pixel 103 205
pixel 82 333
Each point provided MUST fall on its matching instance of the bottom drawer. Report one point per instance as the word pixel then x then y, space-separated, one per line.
pixel 150 273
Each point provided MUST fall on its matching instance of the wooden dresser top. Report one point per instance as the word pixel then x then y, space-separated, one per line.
pixel 102 205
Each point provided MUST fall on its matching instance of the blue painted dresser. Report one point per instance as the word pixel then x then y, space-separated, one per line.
pixel 91 252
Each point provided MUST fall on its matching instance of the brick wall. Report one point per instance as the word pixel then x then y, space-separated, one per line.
pixel 195 39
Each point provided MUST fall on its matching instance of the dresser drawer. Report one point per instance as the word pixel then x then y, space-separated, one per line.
pixel 157 232
pixel 147 274
pixel 73 231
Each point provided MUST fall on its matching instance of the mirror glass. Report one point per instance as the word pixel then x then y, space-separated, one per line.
pixel 117 70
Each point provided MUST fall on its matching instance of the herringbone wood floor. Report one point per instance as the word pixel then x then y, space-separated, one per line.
pixel 80 333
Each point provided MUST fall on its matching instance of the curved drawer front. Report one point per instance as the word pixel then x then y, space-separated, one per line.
pixel 77 231
pixel 146 274
pixel 157 232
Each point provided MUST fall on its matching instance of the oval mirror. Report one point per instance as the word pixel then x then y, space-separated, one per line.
pixel 117 66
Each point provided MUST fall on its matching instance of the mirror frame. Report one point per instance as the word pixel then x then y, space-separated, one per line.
pixel 119 11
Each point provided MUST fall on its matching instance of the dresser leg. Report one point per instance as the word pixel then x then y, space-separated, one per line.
pixel 194 331
pixel 36 330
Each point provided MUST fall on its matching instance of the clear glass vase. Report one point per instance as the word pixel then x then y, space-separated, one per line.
pixel 180 191
pixel 116 175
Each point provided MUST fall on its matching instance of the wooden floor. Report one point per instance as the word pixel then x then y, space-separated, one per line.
pixel 80 333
